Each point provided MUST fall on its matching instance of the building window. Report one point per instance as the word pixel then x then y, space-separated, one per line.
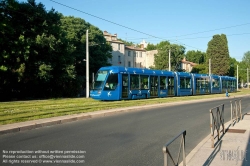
pixel 118 46
pixel 135 64
pixel 129 53
pixel 140 64
pixel 129 65
pixel 140 54
pixel 119 59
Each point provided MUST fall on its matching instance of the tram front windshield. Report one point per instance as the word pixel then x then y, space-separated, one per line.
pixel 99 79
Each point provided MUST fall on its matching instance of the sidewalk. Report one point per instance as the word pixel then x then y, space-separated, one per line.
pixel 232 149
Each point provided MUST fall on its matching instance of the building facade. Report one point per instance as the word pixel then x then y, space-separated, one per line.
pixel 186 65
pixel 127 56
pixel 131 56
pixel 118 49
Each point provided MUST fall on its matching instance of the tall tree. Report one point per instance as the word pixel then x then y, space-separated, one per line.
pixel 218 52
pixel 99 50
pixel 43 57
pixel 36 61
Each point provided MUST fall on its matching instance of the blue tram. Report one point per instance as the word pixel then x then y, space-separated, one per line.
pixel 124 83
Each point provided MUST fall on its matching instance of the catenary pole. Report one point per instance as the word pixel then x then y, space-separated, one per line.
pixel 247 79
pixel 237 78
pixel 87 63
pixel 169 60
pixel 209 67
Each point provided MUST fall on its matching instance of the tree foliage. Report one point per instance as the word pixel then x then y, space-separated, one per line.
pixel 232 67
pixel 151 47
pixel 218 52
pixel 201 69
pixel 42 51
pixel 242 68
pixel 161 59
pixel 246 59
pixel 196 56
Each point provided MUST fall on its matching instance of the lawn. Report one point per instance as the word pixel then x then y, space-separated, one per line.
pixel 20 111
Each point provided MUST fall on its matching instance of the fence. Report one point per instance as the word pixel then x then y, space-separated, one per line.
pixel 216 121
pixel 166 151
pixel 236 114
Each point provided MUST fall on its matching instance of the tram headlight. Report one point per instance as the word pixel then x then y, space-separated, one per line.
pixel 99 92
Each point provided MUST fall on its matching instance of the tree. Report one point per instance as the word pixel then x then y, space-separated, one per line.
pixel 196 56
pixel 99 50
pixel 232 67
pixel 36 56
pixel 246 59
pixel 161 58
pixel 201 69
pixel 150 47
pixel 218 52
pixel 243 66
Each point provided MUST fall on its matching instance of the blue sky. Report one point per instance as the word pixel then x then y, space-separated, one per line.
pixel 191 23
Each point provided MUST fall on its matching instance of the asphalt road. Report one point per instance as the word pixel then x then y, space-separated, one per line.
pixel 129 138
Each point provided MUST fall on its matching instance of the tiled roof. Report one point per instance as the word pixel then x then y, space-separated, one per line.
pixel 105 33
pixel 187 62
pixel 134 48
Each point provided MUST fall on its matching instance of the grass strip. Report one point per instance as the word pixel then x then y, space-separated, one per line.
pixel 19 111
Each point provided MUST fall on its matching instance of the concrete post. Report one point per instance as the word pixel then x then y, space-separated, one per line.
pixel 87 63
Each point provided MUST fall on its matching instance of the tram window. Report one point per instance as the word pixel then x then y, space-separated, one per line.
pixel 125 80
pixel 215 83
pixel 134 81
pixel 234 84
pixel 111 82
pixel 185 82
pixel 144 82
pixel 230 84
pixel 99 79
pixel 198 83
pixel 162 82
pixel 224 83
pixel 170 81
pixel 153 81
pixel 206 82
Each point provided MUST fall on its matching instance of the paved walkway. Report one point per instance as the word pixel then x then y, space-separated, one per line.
pixel 232 149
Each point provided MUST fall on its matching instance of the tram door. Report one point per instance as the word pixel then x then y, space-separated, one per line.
pixel 170 86
pixel 124 86
pixel 154 86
